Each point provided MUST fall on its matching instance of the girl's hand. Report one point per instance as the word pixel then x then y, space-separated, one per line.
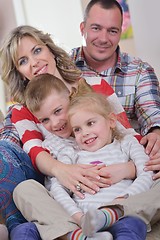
pixel 69 175
pixel 117 172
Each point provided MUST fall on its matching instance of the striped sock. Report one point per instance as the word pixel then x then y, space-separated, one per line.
pixel 78 235
pixel 99 220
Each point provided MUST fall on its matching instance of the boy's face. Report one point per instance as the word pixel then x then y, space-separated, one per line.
pixel 92 131
pixel 53 114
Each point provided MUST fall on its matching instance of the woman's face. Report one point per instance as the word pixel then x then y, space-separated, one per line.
pixel 34 59
pixel 53 114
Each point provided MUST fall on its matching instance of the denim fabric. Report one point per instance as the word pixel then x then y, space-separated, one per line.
pixel 129 228
pixel 15 167
pixel 25 231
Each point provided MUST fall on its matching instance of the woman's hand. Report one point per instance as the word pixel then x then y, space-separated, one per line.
pixel 69 175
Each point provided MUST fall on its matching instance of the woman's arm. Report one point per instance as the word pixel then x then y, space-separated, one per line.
pixel 69 174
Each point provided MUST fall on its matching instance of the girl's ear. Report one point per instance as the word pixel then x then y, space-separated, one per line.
pixel 83 88
pixel 112 119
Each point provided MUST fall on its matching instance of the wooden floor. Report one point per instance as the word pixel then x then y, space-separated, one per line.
pixel 155 233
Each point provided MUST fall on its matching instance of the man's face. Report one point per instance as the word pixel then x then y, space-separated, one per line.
pixel 101 31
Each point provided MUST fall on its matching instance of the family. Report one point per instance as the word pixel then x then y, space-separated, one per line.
pixel 79 151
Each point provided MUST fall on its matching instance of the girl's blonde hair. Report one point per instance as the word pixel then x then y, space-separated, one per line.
pixel 85 98
pixel 8 54
pixel 40 88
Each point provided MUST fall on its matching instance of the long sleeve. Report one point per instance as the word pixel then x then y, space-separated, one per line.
pixel 29 131
pixel 137 154
pixel 64 150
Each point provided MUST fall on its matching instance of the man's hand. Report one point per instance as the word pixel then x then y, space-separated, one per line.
pixel 152 145
pixel 151 142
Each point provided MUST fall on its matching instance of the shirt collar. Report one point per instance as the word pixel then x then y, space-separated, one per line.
pixel 120 65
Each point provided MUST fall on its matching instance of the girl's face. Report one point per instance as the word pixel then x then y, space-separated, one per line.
pixel 92 131
pixel 53 114
pixel 34 59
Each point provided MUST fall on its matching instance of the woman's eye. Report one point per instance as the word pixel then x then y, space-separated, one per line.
pixel 22 61
pixel 37 50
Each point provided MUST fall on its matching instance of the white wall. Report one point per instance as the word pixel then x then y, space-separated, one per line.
pixel 61 18
pixel 145 16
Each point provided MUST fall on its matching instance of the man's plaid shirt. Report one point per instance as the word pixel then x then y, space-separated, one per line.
pixel 135 84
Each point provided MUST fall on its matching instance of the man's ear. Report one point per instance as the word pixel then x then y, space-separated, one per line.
pixel 82 28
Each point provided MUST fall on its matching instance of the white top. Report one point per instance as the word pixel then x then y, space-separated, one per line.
pixel 121 151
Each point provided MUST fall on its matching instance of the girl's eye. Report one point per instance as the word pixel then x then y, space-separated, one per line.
pixel 75 130
pixel 90 123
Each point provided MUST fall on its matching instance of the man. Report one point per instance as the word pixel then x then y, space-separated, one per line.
pixel 133 80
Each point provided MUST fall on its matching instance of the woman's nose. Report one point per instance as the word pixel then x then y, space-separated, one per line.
pixel 34 61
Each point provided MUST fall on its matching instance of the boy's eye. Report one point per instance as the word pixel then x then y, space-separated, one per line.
pixel 58 111
pixel 45 120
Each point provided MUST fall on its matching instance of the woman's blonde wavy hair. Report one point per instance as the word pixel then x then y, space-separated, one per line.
pixel 8 54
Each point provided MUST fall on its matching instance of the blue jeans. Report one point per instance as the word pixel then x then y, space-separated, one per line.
pixel 15 167
pixel 129 228
pixel 25 231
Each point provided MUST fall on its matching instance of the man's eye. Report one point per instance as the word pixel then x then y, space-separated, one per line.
pixel 113 32
pixel 95 29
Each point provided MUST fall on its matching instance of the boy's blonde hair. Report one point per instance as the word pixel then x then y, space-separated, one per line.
pixel 85 98
pixel 40 87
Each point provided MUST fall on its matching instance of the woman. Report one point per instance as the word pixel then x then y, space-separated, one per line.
pixel 26 53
